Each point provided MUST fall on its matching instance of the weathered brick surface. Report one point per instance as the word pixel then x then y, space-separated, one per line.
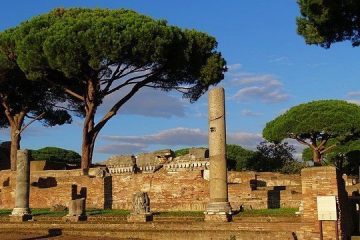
pixel 324 181
pixel 168 191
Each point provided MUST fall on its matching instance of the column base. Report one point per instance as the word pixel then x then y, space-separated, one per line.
pixel 218 207
pixel 218 212
pixel 146 217
pixel 20 215
pixel 218 217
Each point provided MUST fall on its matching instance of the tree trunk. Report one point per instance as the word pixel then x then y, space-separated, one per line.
pixel 317 157
pixel 15 128
pixel 87 140
pixel 85 154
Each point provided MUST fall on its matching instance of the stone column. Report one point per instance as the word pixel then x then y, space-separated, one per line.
pixel 22 212
pixel 218 208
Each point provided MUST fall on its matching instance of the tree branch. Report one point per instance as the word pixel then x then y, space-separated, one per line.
pixel 128 82
pixel 122 101
pixel 74 94
pixel 33 120
pixel 328 149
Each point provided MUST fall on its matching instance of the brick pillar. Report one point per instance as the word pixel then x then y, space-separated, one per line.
pixel 324 181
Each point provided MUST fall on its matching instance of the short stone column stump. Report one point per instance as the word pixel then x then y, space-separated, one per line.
pixel 76 211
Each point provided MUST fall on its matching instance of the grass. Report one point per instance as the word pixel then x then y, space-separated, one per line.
pixel 276 212
pixel 5 212
pixel 180 214
pixel 107 212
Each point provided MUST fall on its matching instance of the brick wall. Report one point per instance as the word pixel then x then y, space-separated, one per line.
pixel 168 191
pixel 325 181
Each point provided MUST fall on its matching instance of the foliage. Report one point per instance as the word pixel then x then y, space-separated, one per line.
pixel 20 98
pixel 345 156
pixel 181 152
pixel 273 157
pixel 315 123
pixel 238 157
pixel 4 123
pixel 92 53
pixel 292 167
pixel 55 154
pixel 327 22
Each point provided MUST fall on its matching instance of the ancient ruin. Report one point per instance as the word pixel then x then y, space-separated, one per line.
pixel 197 181
pixel 77 210
pixel 219 207
pixel 141 208
pixel 22 212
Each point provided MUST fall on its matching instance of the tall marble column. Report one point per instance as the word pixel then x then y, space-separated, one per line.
pixel 22 212
pixel 218 208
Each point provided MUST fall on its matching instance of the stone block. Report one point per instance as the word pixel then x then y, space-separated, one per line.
pixel 68 218
pixel 20 218
pixel 218 217
pixel 140 217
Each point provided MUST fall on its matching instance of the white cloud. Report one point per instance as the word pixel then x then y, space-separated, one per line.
pixel 122 148
pixel 175 137
pixel 299 148
pixel 244 139
pixel 355 101
pixel 235 66
pixel 265 79
pixel 282 60
pixel 264 87
pixel 354 94
pixel 264 93
pixel 171 138
pixel 249 113
pixel 147 102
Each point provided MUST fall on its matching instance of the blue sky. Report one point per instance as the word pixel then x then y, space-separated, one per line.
pixel 270 70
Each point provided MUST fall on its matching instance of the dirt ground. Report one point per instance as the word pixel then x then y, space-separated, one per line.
pixel 34 236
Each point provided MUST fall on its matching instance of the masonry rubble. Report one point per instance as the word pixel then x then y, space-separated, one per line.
pixel 196 159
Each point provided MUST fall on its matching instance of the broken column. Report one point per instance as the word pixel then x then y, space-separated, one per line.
pixel 218 208
pixel 76 211
pixel 22 212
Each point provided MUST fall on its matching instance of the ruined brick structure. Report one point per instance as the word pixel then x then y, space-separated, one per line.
pixel 181 190
pixel 188 190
